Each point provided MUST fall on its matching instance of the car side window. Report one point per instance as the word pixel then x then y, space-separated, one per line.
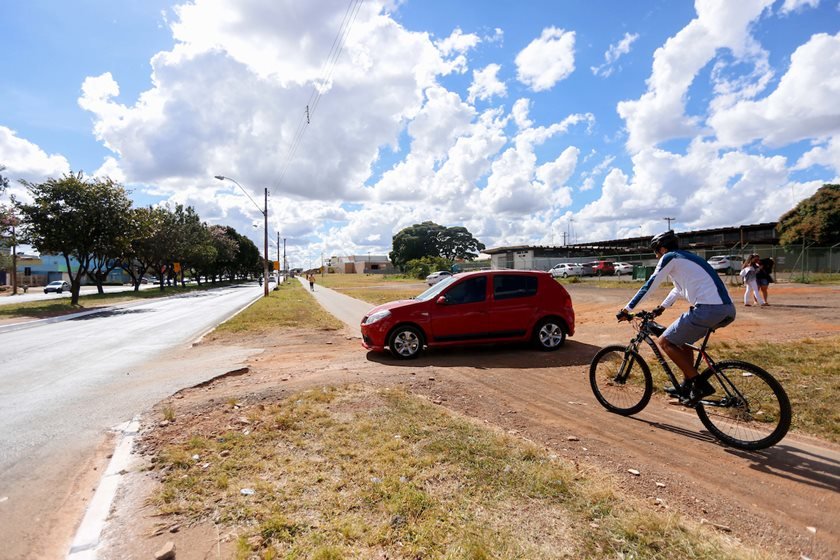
pixel 508 286
pixel 472 290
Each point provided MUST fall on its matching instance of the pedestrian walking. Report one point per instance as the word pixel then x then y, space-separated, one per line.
pixel 748 274
pixel 311 278
pixel 764 276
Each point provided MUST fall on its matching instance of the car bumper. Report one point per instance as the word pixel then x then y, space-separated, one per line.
pixel 374 336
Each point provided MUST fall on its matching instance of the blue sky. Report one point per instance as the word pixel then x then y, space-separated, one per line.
pixel 520 121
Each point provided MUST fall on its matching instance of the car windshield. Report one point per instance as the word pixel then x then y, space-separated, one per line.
pixel 436 289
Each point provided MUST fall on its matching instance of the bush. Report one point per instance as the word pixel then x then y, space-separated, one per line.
pixel 420 268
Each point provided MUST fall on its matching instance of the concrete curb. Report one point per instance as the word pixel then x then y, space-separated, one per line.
pixel 87 536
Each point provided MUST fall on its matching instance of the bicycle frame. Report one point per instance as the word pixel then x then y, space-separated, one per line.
pixel 732 392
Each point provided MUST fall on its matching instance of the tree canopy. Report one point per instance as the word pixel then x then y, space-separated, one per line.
pixel 815 219
pixel 432 240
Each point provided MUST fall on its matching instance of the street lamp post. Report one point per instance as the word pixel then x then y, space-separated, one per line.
pixel 264 212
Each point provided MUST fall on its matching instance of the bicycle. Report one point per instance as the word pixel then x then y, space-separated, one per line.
pixel 749 409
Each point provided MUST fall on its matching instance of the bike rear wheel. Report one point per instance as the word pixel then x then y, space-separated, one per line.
pixel 749 410
pixel 620 380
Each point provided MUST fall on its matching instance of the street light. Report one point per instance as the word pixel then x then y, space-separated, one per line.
pixel 264 212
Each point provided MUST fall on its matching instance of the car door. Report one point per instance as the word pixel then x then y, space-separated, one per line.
pixel 511 309
pixel 462 314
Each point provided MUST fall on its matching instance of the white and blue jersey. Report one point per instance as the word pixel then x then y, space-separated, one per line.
pixel 693 279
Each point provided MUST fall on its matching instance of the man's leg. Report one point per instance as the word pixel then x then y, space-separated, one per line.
pixel 682 356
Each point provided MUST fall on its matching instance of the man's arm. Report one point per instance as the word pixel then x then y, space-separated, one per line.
pixel 659 274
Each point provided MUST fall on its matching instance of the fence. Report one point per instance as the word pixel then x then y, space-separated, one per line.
pixel 789 260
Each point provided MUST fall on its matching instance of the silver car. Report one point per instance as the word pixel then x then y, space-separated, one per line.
pixel 436 277
pixel 726 263
pixel 564 270
pixel 58 286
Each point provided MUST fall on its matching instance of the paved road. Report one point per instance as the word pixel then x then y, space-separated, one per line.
pixel 37 293
pixel 64 385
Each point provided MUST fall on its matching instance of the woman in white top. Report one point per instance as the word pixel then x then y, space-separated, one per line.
pixel 748 275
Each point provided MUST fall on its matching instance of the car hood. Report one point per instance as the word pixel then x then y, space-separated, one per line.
pixel 399 304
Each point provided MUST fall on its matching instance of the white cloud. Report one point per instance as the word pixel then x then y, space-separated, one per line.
pixel 804 105
pixel 486 84
pixel 660 113
pixel 827 154
pixel 798 5
pixel 26 160
pixel 458 43
pixel 520 113
pixel 614 52
pixel 547 60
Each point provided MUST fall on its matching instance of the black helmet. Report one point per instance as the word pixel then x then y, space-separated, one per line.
pixel 669 240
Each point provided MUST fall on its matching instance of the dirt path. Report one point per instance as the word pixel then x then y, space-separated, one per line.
pixel 768 498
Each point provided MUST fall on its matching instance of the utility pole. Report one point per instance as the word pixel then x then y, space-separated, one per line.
pixel 14 259
pixel 265 239
pixel 278 258
pixel 564 239
pixel 669 220
pixel 285 266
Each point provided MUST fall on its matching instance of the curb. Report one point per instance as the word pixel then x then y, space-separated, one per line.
pixel 87 535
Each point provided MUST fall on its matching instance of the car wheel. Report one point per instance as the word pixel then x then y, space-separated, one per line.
pixel 549 334
pixel 565 275
pixel 405 342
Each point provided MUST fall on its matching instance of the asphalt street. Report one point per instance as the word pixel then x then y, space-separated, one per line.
pixel 64 385
pixel 36 293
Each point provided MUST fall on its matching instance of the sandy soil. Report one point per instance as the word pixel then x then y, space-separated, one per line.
pixel 785 499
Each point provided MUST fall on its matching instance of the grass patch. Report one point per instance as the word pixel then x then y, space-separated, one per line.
pixel 816 278
pixel 361 473
pixel 53 308
pixel 374 289
pixel 808 369
pixel 290 305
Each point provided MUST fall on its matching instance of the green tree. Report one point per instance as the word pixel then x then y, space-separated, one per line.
pixel 115 231
pixel 225 247
pixel 458 243
pixel 432 240
pixel 420 268
pixel 816 218
pixel 70 217
pixel 136 259
pixel 193 245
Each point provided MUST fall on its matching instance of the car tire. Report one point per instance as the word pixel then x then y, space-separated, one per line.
pixel 549 334
pixel 406 342
pixel 58 291
pixel 565 275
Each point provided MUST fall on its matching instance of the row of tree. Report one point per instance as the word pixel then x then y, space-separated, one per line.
pixel 92 222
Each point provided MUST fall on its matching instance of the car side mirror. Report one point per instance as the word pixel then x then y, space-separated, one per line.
pixel 442 300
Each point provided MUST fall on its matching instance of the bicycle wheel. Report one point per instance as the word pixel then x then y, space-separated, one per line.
pixel 749 410
pixel 620 380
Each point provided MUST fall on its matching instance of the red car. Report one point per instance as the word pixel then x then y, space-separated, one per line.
pixel 481 307
pixel 600 268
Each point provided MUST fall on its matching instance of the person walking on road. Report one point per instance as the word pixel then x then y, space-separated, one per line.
pixel 764 277
pixel 311 278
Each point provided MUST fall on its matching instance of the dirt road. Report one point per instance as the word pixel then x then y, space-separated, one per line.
pixel 785 499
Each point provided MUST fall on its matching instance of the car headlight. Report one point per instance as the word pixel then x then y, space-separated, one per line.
pixel 378 316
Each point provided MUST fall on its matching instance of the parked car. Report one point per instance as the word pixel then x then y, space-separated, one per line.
pixel 480 307
pixel 436 277
pixel 564 270
pixel 726 263
pixel 598 268
pixel 622 268
pixel 58 286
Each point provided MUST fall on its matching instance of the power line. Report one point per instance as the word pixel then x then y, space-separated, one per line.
pixel 326 73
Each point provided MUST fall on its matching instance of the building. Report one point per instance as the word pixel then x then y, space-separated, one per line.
pixel 360 264
pixel 635 250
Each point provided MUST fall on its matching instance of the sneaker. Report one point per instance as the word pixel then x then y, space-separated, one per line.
pixel 700 389
pixel 676 392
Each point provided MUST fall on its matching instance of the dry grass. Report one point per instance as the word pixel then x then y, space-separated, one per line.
pixel 364 473
pixel 374 289
pixel 290 305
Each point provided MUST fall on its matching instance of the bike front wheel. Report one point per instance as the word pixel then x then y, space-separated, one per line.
pixel 749 409
pixel 620 380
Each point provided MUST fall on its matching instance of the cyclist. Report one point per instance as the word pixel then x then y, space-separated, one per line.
pixel 711 308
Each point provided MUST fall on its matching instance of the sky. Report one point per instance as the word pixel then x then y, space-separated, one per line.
pixel 538 122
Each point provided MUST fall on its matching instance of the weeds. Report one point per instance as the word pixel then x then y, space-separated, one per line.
pixel 360 473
